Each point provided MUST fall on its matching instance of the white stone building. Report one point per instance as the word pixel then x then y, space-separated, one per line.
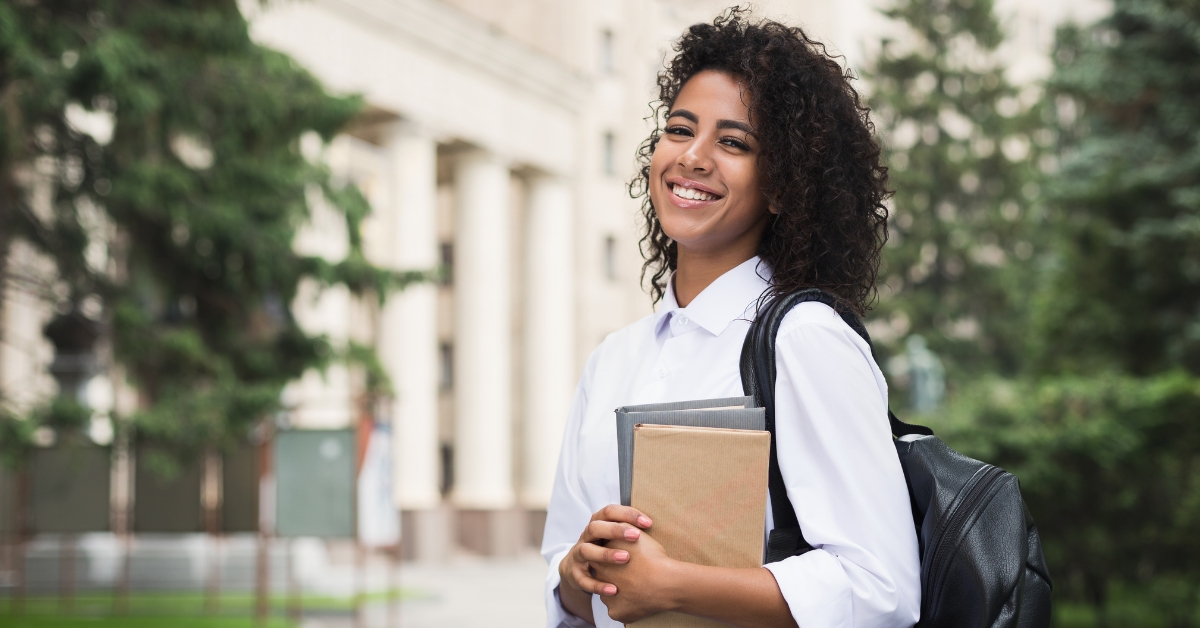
pixel 498 141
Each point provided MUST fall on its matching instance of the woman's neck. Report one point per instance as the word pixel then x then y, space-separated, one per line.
pixel 695 271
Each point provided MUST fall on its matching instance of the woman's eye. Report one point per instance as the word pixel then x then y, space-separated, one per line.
pixel 679 130
pixel 735 143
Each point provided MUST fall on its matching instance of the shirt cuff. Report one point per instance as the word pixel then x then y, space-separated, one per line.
pixel 816 589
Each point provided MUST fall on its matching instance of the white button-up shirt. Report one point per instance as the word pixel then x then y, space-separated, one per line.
pixel 835 448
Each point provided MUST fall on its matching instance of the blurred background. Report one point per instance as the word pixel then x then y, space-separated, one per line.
pixel 294 294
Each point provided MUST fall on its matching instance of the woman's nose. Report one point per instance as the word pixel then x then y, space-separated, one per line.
pixel 696 158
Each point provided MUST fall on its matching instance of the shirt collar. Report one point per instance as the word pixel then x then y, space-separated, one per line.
pixel 722 302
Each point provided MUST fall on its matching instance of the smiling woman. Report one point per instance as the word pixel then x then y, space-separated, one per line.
pixel 811 139
pixel 761 178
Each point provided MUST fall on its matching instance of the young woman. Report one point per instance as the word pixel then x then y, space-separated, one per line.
pixel 761 178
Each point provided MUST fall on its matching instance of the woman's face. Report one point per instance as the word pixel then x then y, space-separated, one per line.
pixel 704 179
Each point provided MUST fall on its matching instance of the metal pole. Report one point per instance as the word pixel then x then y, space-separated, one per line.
pixel 23 530
pixel 66 571
pixel 262 588
pixel 122 519
pixel 211 501
pixel 212 596
pixel 295 612
pixel 121 603
pixel 393 585
pixel 359 559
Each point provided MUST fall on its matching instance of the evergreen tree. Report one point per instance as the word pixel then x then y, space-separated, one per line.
pixel 153 152
pixel 961 143
pixel 1127 292
pixel 1103 429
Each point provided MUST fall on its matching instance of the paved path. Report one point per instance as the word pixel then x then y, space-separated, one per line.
pixel 464 592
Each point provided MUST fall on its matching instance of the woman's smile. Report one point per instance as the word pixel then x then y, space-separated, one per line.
pixel 689 194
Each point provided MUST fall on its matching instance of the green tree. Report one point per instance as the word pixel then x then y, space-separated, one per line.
pixel 1102 427
pixel 153 152
pixel 1110 469
pixel 1127 289
pixel 962 144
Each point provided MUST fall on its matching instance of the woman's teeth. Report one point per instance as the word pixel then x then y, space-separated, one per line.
pixel 692 193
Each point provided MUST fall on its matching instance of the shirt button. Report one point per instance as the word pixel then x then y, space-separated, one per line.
pixel 683 320
pixel 662 372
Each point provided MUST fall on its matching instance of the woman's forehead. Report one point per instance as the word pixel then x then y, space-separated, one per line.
pixel 712 93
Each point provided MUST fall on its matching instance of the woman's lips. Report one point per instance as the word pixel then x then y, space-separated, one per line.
pixel 690 203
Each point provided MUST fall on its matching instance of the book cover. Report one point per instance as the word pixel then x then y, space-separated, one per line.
pixel 706 491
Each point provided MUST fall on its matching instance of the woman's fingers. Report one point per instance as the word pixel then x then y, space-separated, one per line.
pixel 592 585
pixel 578 572
pixel 596 554
pixel 609 531
pixel 623 514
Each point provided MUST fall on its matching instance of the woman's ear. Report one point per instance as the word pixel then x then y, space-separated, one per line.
pixel 774 209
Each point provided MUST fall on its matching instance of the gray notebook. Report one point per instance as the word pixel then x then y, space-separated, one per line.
pixel 737 413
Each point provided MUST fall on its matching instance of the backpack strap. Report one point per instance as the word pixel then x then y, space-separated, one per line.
pixel 758 381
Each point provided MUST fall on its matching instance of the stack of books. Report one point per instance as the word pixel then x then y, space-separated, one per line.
pixel 698 469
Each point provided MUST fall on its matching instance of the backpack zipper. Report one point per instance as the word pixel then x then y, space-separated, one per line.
pixel 974 493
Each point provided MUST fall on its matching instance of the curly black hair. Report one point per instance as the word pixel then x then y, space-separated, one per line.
pixel 819 161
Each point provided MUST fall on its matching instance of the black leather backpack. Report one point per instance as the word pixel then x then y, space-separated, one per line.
pixel 981 558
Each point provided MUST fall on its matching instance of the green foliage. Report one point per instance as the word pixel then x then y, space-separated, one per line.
pixel 1084 377
pixel 16 439
pixel 181 223
pixel 1109 465
pixel 1094 394
pixel 63 415
pixel 961 143
pixel 66 417
pixel 1127 287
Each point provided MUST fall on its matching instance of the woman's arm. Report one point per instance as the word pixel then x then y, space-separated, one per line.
pixel 577 603
pixel 844 479
pixel 567 514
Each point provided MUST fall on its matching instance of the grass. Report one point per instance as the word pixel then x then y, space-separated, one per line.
pixel 34 621
pixel 182 610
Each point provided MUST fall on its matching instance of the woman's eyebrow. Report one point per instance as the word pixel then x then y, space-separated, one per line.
pixel 734 124
pixel 721 124
pixel 685 114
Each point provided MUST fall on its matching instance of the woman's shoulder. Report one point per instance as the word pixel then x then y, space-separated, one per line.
pixel 815 343
pixel 816 322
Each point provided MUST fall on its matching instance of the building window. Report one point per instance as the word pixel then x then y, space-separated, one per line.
pixel 447 264
pixel 609 155
pixel 610 258
pixel 446 452
pixel 446 366
pixel 607 64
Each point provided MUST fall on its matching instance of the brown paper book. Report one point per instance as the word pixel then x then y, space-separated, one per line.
pixel 706 491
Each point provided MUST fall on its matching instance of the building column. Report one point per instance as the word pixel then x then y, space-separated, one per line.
pixel 549 360
pixel 408 343
pixel 483 465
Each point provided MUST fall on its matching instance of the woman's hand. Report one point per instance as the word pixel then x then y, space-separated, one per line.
pixel 646 583
pixel 635 578
pixel 611 523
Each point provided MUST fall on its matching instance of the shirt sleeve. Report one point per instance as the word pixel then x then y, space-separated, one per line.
pixel 844 480
pixel 568 511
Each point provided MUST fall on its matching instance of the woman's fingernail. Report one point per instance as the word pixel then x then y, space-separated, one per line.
pixel 621 556
pixel 610 589
pixel 632 534
pixel 644 521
